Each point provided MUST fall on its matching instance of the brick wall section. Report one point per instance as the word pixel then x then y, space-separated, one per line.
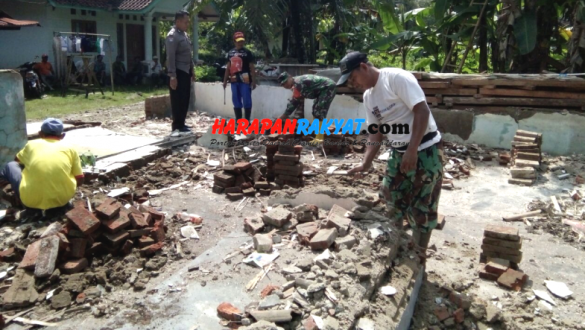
pixel 157 106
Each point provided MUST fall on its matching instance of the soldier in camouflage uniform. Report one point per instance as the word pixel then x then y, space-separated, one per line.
pixel 309 86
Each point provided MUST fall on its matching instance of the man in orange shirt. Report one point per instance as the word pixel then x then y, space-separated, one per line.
pixel 45 70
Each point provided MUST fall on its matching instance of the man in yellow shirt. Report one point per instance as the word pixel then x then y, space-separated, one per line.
pixel 51 174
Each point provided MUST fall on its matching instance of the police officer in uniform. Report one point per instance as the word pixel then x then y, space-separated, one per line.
pixel 181 71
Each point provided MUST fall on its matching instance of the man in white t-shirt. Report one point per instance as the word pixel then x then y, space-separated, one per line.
pixel 396 107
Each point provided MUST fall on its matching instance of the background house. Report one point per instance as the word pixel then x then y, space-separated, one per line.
pixel 132 25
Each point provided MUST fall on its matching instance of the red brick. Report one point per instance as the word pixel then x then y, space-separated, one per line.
pixel 73 266
pixel 441 222
pixel 483 274
pixel 501 232
pixel 229 312
pixel 268 290
pixel 145 241
pixel 277 217
pixel 86 222
pixel 459 315
pixel 158 232
pixel 513 279
pixel 503 243
pixel 224 178
pixel 80 298
pixel 96 247
pixel 140 232
pixel 151 249
pixel 243 166
pixel 235 197
pixel 117 238
pixel 30 257
pixel 148 218
pixel 336 219
pixel 495 268
pixel 310 324
pixel 285 163
pixel 142 200
pixel 289 170
pixel 156 215
pixel 77 248
pixel 240 180
pixel 442 313
pixel 233 190
pixel 323 239
pixel 118 224
pixel 500 249
pixel 251 192
pixel 262 185
pixel 82 203
pixel 48 252
pixel 286 158
pixel 7 255
pixel 63 241
pixel 253 226
pixel 285 177
pixel 127 247
pixel 137 220
pixel 306 231
pixel 109 208
pixel 217 189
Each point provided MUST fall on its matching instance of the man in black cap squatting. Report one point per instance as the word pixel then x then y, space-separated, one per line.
pixel 414 173
pixel 309 86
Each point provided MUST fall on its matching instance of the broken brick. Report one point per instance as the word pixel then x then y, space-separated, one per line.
pixel 459 315
pixel 86 222
pixel 148 218
pixel 262 185
pixel 233 190
pixel 243 166
pixel 323 239
pixel 286 158
pixel 235 197
pixel 140 232
pixel 137 220
pixel 8 255
pixel 277 217
pixel 115 225
pixel 253 226
pixel 77 248
pixel 240 180
pixel 231 169
pixel 96 247
pixel 224 177
pixel 156 215
pixel 249 192
pixel 263 243
pixel 502 232
pixel 158 232
pixel 500 249
pixel 30 256
pixel 127 247
pixel 513 279
pixel 340 222
pixel 217 189
pixel 442 313
pixel 73 266
pixel 109 208
pixel 495 268
pixel 145 241
pixel 229 312
pixel 268 290
pixel 47 257
pixel 310 324
pixel 117 238
pixel 307 231
pixel 151 249
pixel 81 298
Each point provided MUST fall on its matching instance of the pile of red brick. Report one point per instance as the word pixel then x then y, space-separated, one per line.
pixel 283 165
pixel 453 307
pixel 526 157
pixel 239 180
pixel 500 257
pixel 111 228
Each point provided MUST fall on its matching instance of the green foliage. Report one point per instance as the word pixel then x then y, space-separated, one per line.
pixel 205 73
pixel 525 31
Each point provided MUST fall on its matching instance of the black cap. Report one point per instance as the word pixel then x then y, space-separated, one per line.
pixel 350 62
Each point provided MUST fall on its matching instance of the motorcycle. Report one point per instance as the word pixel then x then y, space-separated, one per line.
pixel 33 88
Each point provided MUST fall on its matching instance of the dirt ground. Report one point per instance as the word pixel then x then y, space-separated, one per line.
pixel 178 299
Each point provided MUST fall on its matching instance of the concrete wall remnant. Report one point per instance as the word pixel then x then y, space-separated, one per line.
pixel 12 116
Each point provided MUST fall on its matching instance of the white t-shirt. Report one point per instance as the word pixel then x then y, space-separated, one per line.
pixel 391 102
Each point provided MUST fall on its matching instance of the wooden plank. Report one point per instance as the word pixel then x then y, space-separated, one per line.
pixel 417 75
pixel 434 100
pixel 434 84
pixel 451 91
pixel 514 101
pixel 536 94
pixel 519 82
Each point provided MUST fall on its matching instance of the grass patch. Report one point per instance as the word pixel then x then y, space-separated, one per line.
pixel 54 105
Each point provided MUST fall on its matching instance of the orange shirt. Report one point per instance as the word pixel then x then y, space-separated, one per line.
pixel 44 68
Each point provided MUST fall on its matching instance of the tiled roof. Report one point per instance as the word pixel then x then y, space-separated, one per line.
pixel 125 5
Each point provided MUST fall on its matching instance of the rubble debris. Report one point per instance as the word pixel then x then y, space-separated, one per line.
pixel 544 296
pixel 263 243
pixel 22 292
pixel 48 252
pixel 323 239
pixel 229 312
pixel 500 247
pixel 559 289
pixel 277 316
pixel 513 279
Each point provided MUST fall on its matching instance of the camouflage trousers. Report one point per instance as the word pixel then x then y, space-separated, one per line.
pixel 321 104
pixel 415 195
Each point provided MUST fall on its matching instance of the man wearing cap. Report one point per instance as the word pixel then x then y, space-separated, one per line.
pixel 414 173
pixel 308 86
pixel 45 70
pixel 242 75
pixel 52 170
pixel 180 70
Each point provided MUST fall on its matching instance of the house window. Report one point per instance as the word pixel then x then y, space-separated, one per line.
pixel 83 12
pixel 120 16
pixel 80 26
pixel 127 16
pixel 73 11
pixel 120 38
pixel 92 12
pixel 135 18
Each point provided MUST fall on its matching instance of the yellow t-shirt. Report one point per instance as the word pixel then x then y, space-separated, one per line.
pixel 48 178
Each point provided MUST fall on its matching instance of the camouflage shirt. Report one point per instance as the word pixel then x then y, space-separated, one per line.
pixel 308 86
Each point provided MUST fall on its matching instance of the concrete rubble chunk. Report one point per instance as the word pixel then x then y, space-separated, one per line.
pixel 253 226
pixel 86 222
pixel 262 243
pixel 346 242
pixel 337 218
pixel 307 231
pixel 277 217
pixel 323 239
pixel 48 253
pixel 276 316
pixel 22 292
pixel 229 312
pixel 365 324
pixel 62 300
pixel 492 313
pixel 269 302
